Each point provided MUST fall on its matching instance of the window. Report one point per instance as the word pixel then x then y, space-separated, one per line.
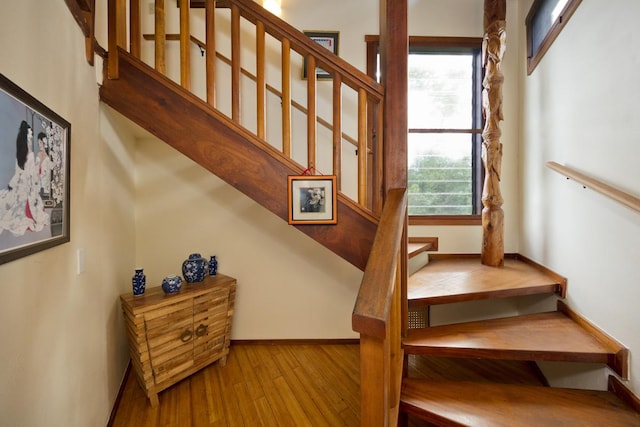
pixel 544 22
pixel 445 130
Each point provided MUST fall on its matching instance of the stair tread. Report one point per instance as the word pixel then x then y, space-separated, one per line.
pixel 551 336
pixel 416 248
pixel 456 279
pixel 488 404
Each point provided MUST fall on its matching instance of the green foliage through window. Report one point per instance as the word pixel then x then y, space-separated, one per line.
pixel 444 131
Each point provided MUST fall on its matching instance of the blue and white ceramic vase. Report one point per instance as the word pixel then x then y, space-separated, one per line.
pixel 194 268
pixel 139 282
pixel 213 266
pixel 171 284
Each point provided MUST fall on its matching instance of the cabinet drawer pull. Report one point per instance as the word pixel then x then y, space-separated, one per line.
pixel 201 330
pixel 186 335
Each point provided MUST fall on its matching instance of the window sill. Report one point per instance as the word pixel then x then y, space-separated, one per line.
pixel 445 220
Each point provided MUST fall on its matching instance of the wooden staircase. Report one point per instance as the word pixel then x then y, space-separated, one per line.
pixel 234 147
pixel 560 335
pixel 373 237
pixel 211 139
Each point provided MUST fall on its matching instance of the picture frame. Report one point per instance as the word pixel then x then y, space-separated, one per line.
pixel 34 175
pixel 327 39
pixel 312 199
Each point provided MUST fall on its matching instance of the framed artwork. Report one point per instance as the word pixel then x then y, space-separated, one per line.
pixel 34 174
pixel 327 39
pixel 312 199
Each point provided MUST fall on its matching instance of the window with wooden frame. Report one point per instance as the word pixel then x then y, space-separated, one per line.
pixel 545 20
pixel 445 128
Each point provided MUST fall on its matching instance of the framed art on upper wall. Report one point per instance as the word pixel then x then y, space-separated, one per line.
pixel 34 174
pixel 327 39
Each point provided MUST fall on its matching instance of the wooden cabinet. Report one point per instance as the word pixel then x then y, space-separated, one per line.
pixel 173 336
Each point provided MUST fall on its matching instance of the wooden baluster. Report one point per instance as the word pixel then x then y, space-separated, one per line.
pixel 210 64
pixel 337 129
pixel 235 63
pixel 362 147
pixel 286 97
pixel 117 34
pixel 378 149
pixel 261 86
pixel 311 112
pixel 161 35
pixel 135 36
pixel 395 345
pixel 185 48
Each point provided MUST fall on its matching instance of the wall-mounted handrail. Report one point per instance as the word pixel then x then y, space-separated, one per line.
pixel 596 185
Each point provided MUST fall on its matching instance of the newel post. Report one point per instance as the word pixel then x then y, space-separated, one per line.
pixel 492 50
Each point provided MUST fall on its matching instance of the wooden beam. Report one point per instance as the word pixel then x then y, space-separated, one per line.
pixel 492 215
pixel 394 51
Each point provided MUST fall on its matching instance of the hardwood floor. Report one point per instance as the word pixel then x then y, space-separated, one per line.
pixel 261 385
pixel 287 385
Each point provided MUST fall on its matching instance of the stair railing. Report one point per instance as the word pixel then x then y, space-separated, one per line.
pixel 598 186
pixel 378 315
pixel 369 94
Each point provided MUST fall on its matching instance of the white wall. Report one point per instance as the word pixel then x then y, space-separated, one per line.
pixel 63 346
pixel 580 108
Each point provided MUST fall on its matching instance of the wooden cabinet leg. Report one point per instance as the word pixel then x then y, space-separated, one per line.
pixel 153 400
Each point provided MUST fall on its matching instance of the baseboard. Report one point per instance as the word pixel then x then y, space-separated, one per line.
pixel 116 404
pixel 616 387
pixel 331 341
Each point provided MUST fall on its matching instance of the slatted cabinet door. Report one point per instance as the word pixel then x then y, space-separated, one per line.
pixel 170 336
pixel 212 321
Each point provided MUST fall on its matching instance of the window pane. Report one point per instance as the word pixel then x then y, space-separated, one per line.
pixel 440 91
pixel 547 13
pixel 440 178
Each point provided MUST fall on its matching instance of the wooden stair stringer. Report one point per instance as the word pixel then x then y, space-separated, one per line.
pixel 451 403
pixel 560 336
pixel 209 138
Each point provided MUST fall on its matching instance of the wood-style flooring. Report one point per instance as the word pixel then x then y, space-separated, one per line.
pixel 287 385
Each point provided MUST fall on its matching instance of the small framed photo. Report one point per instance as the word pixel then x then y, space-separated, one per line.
pixel 34 174
pixel 312 199
pixel 328 40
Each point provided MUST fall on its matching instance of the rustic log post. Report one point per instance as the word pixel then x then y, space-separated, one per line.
pixel 492 215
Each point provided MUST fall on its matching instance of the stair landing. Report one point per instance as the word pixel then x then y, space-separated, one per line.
pixel 455 278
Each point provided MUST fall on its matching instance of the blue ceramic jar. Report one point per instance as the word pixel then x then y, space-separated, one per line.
pixel 171 284
pixel 194 268
pixel 139 282
pixel 213 266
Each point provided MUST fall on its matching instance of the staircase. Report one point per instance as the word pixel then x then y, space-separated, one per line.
pixel 369 234
pixel 235 147
pixel 496 400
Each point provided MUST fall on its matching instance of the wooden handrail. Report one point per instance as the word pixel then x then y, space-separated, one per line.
pixel 597 186
pixel 280 29
pixel 377 316
pixel 372 307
